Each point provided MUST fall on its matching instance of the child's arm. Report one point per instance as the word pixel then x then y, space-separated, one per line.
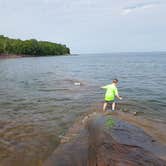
pixel 117 94
pixel 119 97
pixel 104 87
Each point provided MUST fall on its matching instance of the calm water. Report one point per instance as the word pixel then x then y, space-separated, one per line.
pixel 39 99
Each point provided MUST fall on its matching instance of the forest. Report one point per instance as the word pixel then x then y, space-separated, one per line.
pixel 31 47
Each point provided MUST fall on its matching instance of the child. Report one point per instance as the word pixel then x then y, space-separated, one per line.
pixel 111 93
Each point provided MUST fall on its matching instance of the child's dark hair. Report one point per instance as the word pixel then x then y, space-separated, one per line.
pixel 115 81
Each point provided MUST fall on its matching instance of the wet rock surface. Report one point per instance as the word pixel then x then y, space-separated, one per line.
pixel 128 134
pixel 95 144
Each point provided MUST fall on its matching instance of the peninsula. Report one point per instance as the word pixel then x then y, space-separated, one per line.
pixel 22 48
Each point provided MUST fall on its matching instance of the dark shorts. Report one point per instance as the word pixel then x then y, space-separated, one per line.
pixel 110 102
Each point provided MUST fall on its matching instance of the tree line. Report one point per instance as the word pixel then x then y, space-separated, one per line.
pixel 31 47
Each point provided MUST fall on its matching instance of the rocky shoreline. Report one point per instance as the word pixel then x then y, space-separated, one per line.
pixel 13 56
pixel 10 56
pixel 94 141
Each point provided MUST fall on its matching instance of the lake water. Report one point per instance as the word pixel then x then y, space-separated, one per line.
pixel 40 97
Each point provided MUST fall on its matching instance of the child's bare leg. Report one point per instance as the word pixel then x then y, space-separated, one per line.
pixel 104 107
pixel 113 106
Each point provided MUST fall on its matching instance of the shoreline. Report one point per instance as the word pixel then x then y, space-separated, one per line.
pixel 10 56
pixel 13 56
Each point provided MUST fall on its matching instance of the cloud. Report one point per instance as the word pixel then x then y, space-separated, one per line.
pixel 139 6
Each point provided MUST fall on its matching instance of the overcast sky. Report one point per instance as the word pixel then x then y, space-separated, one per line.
pixel 88 26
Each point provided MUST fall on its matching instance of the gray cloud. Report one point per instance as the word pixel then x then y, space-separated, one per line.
pixel 138 6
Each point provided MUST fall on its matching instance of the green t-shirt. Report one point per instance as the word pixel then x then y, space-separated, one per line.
pixel 111 92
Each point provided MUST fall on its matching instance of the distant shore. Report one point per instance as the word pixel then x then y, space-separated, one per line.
pixel 8 56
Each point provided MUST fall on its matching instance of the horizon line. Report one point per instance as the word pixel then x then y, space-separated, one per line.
pixel 120 52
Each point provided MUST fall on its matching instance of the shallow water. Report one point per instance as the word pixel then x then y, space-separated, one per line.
pixel 40 97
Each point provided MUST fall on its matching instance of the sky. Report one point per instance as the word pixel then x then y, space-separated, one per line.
pixel 88 26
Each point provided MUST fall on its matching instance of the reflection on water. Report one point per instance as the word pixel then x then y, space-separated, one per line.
pixel 40 97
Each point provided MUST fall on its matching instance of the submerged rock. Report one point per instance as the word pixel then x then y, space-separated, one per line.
pixel 98 144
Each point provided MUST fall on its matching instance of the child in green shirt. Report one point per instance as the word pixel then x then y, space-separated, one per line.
pixel 111 93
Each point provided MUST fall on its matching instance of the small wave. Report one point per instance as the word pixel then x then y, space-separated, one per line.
pixel 52 90
pixel 74 81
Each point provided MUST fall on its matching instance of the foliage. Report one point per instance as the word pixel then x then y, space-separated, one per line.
pixel 31 47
